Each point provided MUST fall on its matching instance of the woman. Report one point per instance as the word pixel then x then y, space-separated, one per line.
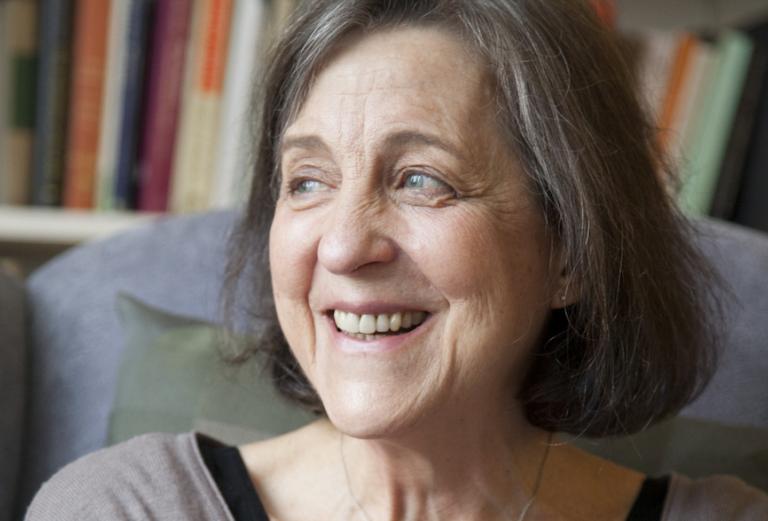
pixel 470 250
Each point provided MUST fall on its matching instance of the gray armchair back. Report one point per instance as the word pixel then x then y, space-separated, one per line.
pixel 177 263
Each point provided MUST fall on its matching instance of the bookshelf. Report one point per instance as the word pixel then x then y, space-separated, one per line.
pixel 30 235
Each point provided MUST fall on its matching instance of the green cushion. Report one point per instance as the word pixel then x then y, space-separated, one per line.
pixel 173 379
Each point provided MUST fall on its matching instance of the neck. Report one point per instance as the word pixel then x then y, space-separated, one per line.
pixel 456 468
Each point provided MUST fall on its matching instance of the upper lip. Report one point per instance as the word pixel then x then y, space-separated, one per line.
pixel 372 307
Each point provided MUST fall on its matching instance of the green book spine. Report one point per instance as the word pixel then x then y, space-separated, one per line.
pixel 713 123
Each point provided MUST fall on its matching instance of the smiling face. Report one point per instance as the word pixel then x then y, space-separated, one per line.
pixel 400 202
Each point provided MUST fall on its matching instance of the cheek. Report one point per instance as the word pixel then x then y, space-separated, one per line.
pixel 291 255
pixel 493 275
pixel 469 256
pixel 292 260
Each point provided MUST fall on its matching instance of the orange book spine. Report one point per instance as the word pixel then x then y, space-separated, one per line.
pixel 89 61
pixel 214 56
pixel 677 76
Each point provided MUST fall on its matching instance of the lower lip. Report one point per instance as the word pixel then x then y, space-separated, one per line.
pixel 385 344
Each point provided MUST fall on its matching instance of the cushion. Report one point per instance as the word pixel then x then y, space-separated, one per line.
pixel 173 378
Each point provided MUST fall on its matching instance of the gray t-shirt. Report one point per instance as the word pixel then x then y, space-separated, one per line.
pixel 163 477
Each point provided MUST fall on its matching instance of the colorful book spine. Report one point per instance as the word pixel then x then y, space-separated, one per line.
pixel 88 66
pixel 48 160
pixel 234 148
pixel 713 122
pixel 18 31
pixel 106 162
pixel 196 150
pixel 699 69
pixel 166 73
pixel 126 175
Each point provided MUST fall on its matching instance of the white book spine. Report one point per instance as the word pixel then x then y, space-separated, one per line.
pixel 112 97
pixel 235 147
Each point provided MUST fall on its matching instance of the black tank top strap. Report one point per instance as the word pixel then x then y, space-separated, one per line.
pixel 227 468
pixel 649 505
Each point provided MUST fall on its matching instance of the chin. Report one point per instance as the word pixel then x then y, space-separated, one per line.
pixel 362 412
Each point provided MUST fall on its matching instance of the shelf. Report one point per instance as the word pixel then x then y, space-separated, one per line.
pixel 58 228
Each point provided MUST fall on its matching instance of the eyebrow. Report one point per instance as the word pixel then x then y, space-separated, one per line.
pixel 399 139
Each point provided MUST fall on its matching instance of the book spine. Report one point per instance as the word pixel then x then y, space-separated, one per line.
pixel 5 92
pixel 195 162
pixel 233 150
pixel 735 155
pixel 714 121
pixel 171 33
pixel 751 208
pixel 693 89
pixel 52 96
pixel 670 105
pixel 139 21
pixel 88 61
pixel 112 95
pixel 20 35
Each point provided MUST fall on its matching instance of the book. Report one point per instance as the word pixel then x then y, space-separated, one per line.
pixel 235 142
pixel 657 51
pixel 195 150
pixel 751 209
pixel 87 81
pixel 166 72
pixel 698 74
pixel 5 86
pixel 736 150
pixel 679 73
pixel 112 95
pixel 18 61
pixel 140 16
pixel 52 95
pixel 713 122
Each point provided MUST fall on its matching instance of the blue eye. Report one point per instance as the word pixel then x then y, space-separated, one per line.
pixel 422 181
pixel 306 186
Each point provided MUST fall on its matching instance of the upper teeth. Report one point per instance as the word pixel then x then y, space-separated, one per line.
pixel 369 324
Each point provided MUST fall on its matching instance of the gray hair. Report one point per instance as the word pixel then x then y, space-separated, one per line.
pixel 640 342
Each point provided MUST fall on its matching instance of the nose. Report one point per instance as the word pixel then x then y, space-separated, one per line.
pixel 356 236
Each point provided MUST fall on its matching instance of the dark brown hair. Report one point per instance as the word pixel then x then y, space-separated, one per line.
pixel 639 343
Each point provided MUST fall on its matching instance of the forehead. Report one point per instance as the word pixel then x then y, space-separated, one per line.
pixel 404 76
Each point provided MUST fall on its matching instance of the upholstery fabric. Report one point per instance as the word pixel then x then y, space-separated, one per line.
pixel 738 393
pixel 12 387
pixel 76 340
pixel 176 265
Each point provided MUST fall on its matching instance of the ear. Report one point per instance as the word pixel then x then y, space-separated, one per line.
pixel 566 290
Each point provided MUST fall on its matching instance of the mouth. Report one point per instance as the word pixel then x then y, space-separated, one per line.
pixel 369 327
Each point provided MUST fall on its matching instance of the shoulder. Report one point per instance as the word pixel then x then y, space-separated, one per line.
pixel 136 479
pixel 714 498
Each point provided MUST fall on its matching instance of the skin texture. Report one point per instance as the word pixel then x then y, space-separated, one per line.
pixel 397 187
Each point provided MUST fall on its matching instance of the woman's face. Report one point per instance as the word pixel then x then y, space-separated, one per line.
pixel 400 202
